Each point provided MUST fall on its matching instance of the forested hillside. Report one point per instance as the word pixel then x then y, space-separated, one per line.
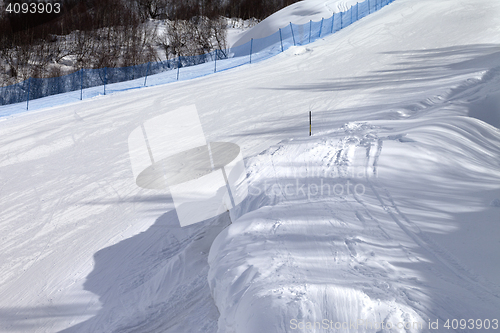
pixel 46 39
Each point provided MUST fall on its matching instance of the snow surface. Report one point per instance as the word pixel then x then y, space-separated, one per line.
pixel 237 27
pixel 298 13
pixel 405 105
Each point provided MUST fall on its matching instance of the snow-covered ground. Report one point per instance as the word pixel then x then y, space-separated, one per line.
pixel 298 13
pixel 405 108
pixel 237 27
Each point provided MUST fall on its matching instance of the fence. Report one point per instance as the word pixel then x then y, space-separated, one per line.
pixel 187 67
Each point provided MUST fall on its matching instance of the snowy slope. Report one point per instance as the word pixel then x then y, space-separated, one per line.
pixel 298 13
pixel 84 250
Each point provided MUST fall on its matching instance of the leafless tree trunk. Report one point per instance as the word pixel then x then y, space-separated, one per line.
pixel 197 36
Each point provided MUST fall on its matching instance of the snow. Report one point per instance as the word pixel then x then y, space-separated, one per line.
pixel 404 108
pixel 370 237
pixel 237 27
pixel 298 13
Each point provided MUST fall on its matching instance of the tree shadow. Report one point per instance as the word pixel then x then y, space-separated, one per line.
pixel 431 72
pixel 155 281
pixel 416 68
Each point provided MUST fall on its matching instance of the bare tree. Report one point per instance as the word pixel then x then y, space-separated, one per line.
pixel 83 47
pixel 197 36
pixel 154 9
pixel 138 44
pixel 173 39
pixel 219 32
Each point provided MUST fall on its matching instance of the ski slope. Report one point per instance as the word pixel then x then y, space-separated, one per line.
pixel 405 106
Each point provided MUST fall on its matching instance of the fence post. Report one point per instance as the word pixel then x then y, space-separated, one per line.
pixel 369 7
pixel 81 84
pixel 216 54
pixel 178 66
pixel 341 20
pixel 357 11
pixel 147 72
pixel 310 29
pixel 333 21
pixel 105 78
pixel 29 89
pixel 310 123
pixel 351 14
pixel 321 27
pixel 281 40
pixel 251 46
pixel 293 36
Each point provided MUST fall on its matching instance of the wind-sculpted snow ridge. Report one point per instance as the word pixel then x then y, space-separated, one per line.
pixel 347 230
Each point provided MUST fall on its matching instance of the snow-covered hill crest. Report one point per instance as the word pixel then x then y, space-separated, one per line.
pixel 299 13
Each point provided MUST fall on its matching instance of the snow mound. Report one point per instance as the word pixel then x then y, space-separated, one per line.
pixel 298 50
pixel 347 229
